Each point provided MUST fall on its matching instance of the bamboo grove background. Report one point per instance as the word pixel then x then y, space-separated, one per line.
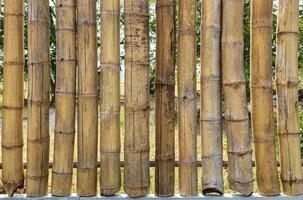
pixel 157 46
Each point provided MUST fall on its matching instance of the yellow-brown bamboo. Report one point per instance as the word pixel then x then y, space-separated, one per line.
pixel 165 97
pixel 261 97
pixel 136 144
pixel 211 119
pixel 110 180
pixel 87 107
pixel 38 98
pixel 12 134
pixel 187 98
pixel 65 98
pixel 287 92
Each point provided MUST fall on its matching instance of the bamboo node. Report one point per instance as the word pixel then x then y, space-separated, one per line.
pixel 210 78
pixel 137 149
pixel 38 64
pixel 13 63
pixel 110 12
pixel 66 29
pixel 279 33
pixel 211 120
pixel 6 107
pixel 240 152
pixel 287 83
pixel 165 3
pixel 187 33
pixel 7 14
pixel 61 174
pixel 33 177
pixel 231 118
pixel 283 134
pixel 39 141
pixel 136 187
pixel 234 84
pixel 12 146
pixel 65 132
pixel 188 163
pixel 110 65
pixel 134 109
pixel 139 15
pixel 37 102
pixel 37 22
pixel 265 139
pixel 264 26
pixel 164 158
pixel 212 156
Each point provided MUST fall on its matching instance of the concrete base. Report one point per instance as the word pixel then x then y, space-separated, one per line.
pixel 225 197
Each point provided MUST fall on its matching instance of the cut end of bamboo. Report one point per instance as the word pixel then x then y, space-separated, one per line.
pixel 109 192
pixel 140 192
pixel 87 182
pixel 11 186
pixel 243 188
pixel 212 189
pixel 294 188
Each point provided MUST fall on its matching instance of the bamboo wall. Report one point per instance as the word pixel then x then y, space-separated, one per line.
pixel 223 102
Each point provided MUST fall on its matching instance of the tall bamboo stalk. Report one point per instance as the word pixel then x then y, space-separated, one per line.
pixel 87 108
pixel 287 91
pixel 38 98
pixel 187 97
pixel 165 96
pixel 211 119
pixel 236 114
pixel 12 134
pixel 136 152
pixel 65 98
pixel 110 182
pixel 261 97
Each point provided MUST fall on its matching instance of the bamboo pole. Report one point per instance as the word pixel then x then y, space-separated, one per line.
pixel 165 96
pixel 287 91
pixel 110 181
pixel 187 98
pixel 211 119
pixel 236 114
pixel 261 97
pixel 12 134
pixel 65 98
pixel 38 98
pixel 136 146
pixel 87 108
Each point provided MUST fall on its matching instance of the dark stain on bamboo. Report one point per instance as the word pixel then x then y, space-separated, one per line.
pixel 187 99
pixel 136 144
pixel 165 96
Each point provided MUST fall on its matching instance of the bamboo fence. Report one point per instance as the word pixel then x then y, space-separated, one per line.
pixel 223 93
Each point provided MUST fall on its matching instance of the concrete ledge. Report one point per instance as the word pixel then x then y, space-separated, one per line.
pixel 225 197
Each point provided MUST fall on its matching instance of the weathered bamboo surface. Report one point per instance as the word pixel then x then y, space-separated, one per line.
pixel 87 96
pixel 65 98
pixel 12 130
pixel 187 97
pixel 110 97
pixel 136 146
pixel 38 98
pixel 261 97
pixel 236 114
pixel 287 91
pixel 165 96
pixel 211 119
